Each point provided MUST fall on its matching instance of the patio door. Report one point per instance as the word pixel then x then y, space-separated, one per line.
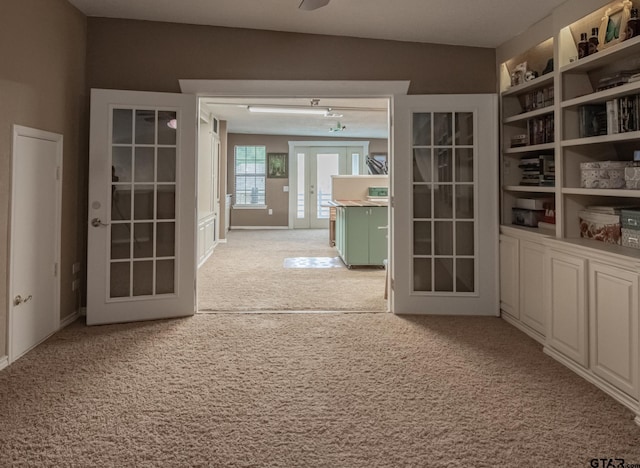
pixel 445 205
pixel 314 167
pixel 142 206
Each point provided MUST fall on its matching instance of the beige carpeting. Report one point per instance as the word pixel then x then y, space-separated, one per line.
pixel 304 390
pixel 248 274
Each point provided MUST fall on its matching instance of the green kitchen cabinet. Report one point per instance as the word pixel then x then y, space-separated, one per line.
pixel 361 234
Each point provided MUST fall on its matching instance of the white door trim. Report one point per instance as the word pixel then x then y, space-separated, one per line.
pixel 315 88
pixel 20 131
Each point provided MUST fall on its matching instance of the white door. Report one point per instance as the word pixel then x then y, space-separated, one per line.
pixel 445 205
pixel 313 168
pixel 142 206
pixel 34 289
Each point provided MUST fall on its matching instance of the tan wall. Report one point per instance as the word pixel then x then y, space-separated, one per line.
pixel 276 198
pixel 42 85
pixel 143 55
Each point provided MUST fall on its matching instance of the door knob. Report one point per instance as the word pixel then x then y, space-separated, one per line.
pixel 19 300
pixel 96 222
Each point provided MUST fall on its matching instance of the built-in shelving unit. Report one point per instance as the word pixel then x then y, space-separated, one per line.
pixel 568 292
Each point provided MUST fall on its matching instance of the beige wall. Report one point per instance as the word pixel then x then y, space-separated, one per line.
pixel 276 198
pixel 143 55
pixel 42 85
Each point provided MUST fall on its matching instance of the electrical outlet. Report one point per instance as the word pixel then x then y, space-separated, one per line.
pixel 285 188
pixel 270 211
pixel 75 268
pixel 75 285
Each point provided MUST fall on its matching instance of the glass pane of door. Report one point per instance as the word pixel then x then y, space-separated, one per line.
pixel 143 202
pixel 444 225
pixel 328 164
pixel 301 186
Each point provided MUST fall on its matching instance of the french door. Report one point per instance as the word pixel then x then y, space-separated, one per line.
pixel 142 206
pixel 314 167
pixel 445 205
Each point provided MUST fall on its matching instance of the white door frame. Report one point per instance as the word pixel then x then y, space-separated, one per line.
pixel 18 132
pixel 319 89
pixel 293 166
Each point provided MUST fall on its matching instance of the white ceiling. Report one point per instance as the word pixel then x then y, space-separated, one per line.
pixel 363 118
pixel 486 23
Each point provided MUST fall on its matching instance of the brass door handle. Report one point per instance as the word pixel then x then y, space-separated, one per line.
pixel 20 300
pixel 96 222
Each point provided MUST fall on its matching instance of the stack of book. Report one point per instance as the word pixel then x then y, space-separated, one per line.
pixel 538 99
pixel 620 78
pixel 541 130
pixel 538 170
pixel 623 114
pixel 593 120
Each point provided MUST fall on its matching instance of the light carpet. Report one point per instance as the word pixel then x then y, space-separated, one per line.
pixel 248 274
pixel 304 390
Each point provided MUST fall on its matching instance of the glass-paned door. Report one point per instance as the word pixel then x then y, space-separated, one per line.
pixel 314 168
pixel 445 205
pixel 142 207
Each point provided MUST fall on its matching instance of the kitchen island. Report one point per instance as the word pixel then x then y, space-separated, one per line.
pixel 361 231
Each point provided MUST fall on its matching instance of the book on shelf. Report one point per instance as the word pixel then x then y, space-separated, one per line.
pixel 623 114
pixel 593 120
pixel 541 130
pixel 538 170
pixel 538 99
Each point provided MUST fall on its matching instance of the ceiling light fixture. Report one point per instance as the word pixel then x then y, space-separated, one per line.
pixel 338 128
pixel 288 110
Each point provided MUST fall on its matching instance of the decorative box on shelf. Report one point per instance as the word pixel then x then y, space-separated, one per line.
pixel 630 220
pixel 600 226
pixel 603 174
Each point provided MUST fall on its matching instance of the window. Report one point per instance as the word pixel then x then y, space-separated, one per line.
pixel 250 167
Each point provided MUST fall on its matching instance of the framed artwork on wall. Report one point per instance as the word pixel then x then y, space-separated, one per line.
pixel 277 165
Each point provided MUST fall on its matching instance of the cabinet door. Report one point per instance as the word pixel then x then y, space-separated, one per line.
pixel 356 236
pixel 340 230
pixel 509 271
pixel 532 311
pixel 565 294
pixel 378 228
pixel 613 305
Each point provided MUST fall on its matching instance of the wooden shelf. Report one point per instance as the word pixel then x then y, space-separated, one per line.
pixel 528 188
pixel 530 148
pixel 613 138
pixel 603 96
pixel 620 193
pixel 624 50
pixel 529 85
pixel 529 115
pixel 505 228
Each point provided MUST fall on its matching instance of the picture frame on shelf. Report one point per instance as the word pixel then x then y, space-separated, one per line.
pixel 277 167
pixel 613 28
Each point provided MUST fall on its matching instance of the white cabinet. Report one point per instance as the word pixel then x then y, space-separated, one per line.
pixel 522 272
pixel 565 294
pixel 532 310
pixel 613 307
pixel 509 269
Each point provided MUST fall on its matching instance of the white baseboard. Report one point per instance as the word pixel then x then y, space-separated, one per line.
pixel 69 319
pixel 587 375
pixel 523 328
pixel 222 241
pixel 4 362
pixel 258 227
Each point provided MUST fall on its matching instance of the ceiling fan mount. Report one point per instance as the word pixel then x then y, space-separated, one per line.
pixel 310 5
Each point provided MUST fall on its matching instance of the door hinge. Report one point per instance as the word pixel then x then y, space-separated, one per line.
pixel 393 284
pixel 55 269
pixel 391 202
pixel 57 172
